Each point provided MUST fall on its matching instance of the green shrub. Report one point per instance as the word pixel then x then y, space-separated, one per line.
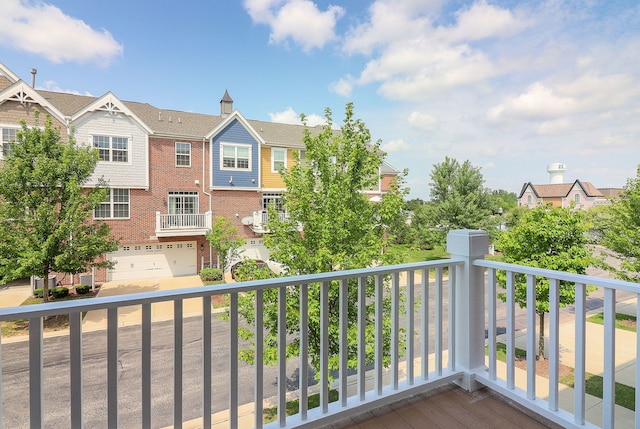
pixel 82 289
pixel 60 292
pixel 39 292
pixel 211 274
pixel 250 269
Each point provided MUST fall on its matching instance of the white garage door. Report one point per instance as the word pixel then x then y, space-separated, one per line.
pixel 145 261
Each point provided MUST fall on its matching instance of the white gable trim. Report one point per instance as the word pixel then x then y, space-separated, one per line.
pixel 236 115
pixel 22 93
pixel 111 104
pixel 4 71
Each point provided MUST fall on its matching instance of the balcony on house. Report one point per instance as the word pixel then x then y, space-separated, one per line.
pixel 180 225
pixel 261 220
pixel 443 328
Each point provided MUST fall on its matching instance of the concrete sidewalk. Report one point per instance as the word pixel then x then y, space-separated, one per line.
pixel 132 315
pixel 14 293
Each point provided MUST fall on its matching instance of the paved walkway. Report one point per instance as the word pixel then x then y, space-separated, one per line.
pixel 97 319
pixel 14 293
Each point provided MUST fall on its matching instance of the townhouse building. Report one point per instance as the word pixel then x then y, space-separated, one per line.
pixel 169 173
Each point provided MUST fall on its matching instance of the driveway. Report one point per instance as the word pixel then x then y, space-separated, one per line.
pixel 132 315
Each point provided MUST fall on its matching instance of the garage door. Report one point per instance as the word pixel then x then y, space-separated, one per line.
pixel 145 261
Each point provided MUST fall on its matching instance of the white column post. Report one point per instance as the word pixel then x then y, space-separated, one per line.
pixel 469 302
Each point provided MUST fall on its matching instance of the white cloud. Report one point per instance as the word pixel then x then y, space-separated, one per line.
pixel 390 21
pixel 342 87
pixel 481 21
pixel 397 145
pixel 422 121
pixel 289 116
pixel 52 85
pixel 414 55
pixel 299 20
pixel 538 102
pixel 43 29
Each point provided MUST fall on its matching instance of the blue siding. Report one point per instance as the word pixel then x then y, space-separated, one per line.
pixel 235 132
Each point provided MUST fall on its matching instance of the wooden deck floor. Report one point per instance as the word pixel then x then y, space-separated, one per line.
pixel 447 407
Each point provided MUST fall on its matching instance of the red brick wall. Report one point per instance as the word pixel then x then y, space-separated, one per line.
pixel 242 203
pixel 164 176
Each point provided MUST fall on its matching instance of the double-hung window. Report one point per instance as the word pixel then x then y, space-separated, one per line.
pixel 235 157
pixel 115 206
pixel 112 149
pixel 278 160
pixel 8 136
pixel 183 154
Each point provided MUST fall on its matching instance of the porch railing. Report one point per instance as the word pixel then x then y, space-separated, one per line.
pixel 437 313
pixel 184 222
pixel 261 219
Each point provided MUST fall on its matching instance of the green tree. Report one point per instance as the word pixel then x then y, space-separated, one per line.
pixel 623 232
pixel 46 208
pixel 413 204
pixel 458 201
pixel 341 229
pixel 224 237
pixel 552 238
pixel 505 200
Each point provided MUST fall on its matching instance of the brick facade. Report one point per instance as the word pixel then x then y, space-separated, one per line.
pixel 150 173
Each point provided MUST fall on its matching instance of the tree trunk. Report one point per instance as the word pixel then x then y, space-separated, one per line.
pixel 541 337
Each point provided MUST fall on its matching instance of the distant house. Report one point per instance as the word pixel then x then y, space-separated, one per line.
pixel 583 195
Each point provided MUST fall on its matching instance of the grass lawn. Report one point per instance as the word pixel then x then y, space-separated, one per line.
pixel 625 395
pixel 313 401
pixel 53 323
pixel 409 254
pixel 623 321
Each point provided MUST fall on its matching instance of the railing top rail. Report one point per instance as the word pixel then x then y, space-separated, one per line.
pixel 561 275
pixel 75 306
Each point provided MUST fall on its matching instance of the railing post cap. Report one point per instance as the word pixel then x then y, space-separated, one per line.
pixel 467 242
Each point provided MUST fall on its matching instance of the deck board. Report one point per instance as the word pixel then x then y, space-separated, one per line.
pixel 446 407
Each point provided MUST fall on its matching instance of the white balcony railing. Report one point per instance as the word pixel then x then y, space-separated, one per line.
pixel 182 224
pixel 261 219
pixel 117 373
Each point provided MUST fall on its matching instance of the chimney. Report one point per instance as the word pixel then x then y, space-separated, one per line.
pixel 226 104
pixel 33 77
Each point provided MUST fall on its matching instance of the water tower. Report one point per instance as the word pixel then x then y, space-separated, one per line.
pixel 556 172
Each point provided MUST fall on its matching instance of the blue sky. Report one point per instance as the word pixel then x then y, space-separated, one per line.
pixel 509 85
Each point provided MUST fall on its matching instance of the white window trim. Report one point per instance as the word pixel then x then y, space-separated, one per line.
pixel 235 145
pixel 273 159
pixel 177 194
pixel 111 203
pixel 8 127
pixel 176 154
pixel 111 136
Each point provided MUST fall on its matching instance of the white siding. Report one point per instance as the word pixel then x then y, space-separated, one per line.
pixel 135 172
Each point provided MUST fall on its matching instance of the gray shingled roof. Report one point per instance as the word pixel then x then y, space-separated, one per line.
pixel 180 123
pixel 187 124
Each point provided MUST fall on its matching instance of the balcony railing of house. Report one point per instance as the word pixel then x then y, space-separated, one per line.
pixel 438 313
pixel 261 219
pixel 182 224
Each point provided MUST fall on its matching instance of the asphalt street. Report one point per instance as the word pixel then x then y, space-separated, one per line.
pixel 56 381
